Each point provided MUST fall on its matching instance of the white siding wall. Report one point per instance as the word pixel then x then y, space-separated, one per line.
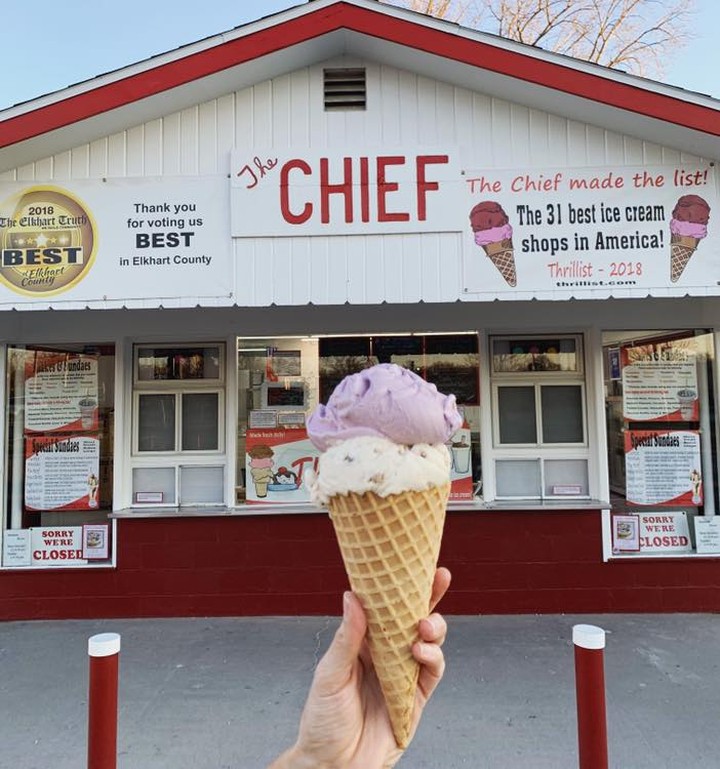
pixel 403 110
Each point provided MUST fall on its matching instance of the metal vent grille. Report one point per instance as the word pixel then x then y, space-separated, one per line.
pixel 345 89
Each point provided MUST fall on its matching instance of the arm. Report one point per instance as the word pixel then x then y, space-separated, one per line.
pixel 345 724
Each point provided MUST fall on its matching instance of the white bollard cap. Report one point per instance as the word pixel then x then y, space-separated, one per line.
pixel 104 644
pixel 588 636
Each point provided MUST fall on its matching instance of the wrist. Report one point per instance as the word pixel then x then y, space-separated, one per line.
pixel 295 758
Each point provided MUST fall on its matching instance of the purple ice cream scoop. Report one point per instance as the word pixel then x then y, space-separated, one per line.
pixel 385 401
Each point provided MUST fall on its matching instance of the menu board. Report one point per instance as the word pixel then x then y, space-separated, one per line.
pixel 660 390
pixel 663 467
pixel 61 393
pixel 62 472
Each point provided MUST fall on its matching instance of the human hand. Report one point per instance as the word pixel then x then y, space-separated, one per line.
pixel 345 724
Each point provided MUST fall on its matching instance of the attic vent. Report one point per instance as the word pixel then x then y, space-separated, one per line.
pixel 344 89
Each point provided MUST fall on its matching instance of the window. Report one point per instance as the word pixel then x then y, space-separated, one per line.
pixel 539 424
pixel 58 453
pixel 178 407
pixel 661 439
pixel 281 380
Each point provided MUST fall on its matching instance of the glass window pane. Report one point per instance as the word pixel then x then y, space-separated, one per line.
pixel 562 414
pixel 201 485
pixel 534 354
pixel 153 485
pixel 516 413
pixel 517 478
pixel 200 422
pixel 566 477
pixel 156 423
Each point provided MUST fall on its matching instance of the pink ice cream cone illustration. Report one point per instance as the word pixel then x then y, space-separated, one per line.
pixel 688 227
pixel 261 462
pixel 494 233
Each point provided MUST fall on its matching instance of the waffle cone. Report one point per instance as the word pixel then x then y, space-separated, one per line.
pixel 390 548
pixel 682 247
pixel 502 255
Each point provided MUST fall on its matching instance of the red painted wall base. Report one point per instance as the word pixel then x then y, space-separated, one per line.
pixel 502 563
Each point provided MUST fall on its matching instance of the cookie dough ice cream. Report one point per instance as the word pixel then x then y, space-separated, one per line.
pixel 384 474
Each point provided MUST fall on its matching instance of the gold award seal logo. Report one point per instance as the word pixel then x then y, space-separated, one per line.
pixel 47 241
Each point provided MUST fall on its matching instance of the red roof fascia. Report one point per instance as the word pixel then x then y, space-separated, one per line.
pixel 373 23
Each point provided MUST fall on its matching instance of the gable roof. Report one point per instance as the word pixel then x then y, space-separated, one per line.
pixel 322 29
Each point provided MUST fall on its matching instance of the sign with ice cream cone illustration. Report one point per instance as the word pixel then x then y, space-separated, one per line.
pixel 585 232
pixel 663 467
pixel 275 465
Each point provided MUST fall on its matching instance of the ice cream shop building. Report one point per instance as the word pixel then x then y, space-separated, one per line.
pixel 197 248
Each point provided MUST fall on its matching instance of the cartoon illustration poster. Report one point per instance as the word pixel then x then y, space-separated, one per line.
pixel 275 465
pixel 663 467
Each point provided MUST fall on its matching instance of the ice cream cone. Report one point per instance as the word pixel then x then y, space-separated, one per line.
pixel 682 247
pixel 502 255
pixel 390 548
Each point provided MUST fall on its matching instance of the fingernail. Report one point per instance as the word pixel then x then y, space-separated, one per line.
pixel 346 603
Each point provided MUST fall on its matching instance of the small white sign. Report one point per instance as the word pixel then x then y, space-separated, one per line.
pixel 54 546
pixel 707 533
pixel 16 547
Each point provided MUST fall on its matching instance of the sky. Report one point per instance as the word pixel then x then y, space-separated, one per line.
pixel 49 45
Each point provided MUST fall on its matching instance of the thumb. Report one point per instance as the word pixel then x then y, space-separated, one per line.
pixel 337 665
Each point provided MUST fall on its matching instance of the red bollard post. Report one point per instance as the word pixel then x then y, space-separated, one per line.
pixel 104 652
pixel 589 644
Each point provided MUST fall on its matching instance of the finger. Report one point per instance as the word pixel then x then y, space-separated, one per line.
pixel 336 666
pixel 441 583
pixel 432 666
pixel 433 629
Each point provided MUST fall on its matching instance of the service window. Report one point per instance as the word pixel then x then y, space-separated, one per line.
pixel 540 443
pixel 178 417
pixel 662 443
pixel 281 380
pixel 59 415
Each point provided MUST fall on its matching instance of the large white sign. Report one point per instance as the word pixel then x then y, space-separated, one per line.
pixel 308 192
pixel 116 239
pixel 584 231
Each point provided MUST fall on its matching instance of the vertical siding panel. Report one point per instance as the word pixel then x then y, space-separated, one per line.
pixel 407 106
pixel 652 154
pixel 225 131
pixel 301 272
pixel 135 147
pixel 427 127
pixel 317 115
pixel 672 157
pixel 44 169
pixel 171 145
pixel 243 252
pixel 450 255
pixel 503 153
pixel 410 257
pixel 464 112
pixel 538 138
pixel 153 148
pixel 263 273
pixel 595 146
pixel 8 176
pixel 577 142
pixel 262 126
pixel 445 117
pixel 208 139
pixel 303 101
pixel 614 148
pixel 336 260
pixel 62 164
pixel 189 141
pixel 280 274
pixel 282 135
pixel 26 173
pixel 430 268
pixel 391 106
pixel 372 124
pixel 244 119
pixel 355 256
pixel 99 158
pixel 393 276
pixel 116 154
pixel 558 132
pixel 520 136
pixel 80 162
pixel 633 151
